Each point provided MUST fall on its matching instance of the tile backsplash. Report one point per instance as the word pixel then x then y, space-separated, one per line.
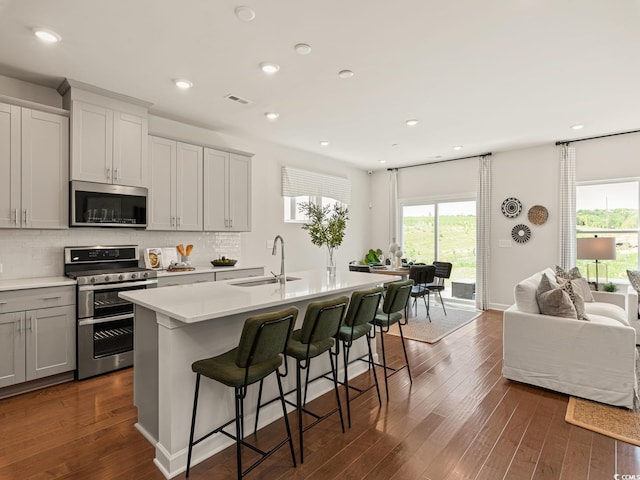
pixel 39 253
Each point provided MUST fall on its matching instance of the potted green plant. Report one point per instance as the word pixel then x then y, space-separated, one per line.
pixel 326 226
pixel 610 287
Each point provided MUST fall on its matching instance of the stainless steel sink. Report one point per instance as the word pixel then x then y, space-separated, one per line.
pixel 262 281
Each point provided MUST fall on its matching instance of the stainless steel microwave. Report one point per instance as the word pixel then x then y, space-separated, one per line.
pixel 104 205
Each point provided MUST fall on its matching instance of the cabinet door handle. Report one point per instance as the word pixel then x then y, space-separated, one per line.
pixel 4 302
pixel 52 298
pixel 15 216
pixel 231 223
pixel 19 322
pixel 25 216
pixel 173 221
pixel 115 174
pixel 30 323
pixel 178 223
pixel 108 174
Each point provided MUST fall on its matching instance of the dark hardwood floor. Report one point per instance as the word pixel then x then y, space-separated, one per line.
pixel 458 420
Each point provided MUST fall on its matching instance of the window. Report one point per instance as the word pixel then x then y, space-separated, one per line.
pixel 610 210
pixel 301 186
pixel 292 212
pixel 443 231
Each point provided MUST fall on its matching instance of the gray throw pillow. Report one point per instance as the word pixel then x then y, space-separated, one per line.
pixel 634 279
pixel 578 282
pixel 556 302
pixel 576 298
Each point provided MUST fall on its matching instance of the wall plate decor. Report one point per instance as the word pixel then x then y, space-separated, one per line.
pixel 511 207
pixel 538 214
pixel 521 233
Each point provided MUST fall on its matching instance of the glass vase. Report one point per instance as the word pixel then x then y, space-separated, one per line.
pixel 331 262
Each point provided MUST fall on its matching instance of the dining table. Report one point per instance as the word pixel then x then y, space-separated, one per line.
pixel 389 270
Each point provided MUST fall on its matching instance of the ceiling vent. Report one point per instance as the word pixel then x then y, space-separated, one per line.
pixel 237 99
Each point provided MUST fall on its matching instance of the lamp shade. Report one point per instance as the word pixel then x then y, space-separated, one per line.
pixel 596 248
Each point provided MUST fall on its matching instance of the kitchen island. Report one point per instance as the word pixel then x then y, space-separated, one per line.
pixel 175 326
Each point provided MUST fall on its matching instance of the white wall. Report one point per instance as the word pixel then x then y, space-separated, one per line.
pixel 532 176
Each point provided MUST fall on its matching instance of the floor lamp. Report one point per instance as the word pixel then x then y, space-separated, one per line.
pixel 597 248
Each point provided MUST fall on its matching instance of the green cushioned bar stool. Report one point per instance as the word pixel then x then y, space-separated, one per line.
pixel 259 354
pixel 395 303
pixel 357 324
pixel 317 335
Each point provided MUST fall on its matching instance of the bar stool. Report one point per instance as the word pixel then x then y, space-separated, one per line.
pixel 357 324
pixel 395 302
pixel 259 353
pixel 317 335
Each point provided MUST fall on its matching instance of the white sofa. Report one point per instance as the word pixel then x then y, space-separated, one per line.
pixel 594 359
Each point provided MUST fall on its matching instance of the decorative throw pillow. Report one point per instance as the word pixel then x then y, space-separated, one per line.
pixel 576 298
pixel 578 282
pixel 634 279
pixel 567 274
pixel 554 300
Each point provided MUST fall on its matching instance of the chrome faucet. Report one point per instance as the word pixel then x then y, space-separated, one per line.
pixel 282 277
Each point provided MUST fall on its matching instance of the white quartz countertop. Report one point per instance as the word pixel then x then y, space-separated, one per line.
pixel 207 269
pixel 37 282
pixel 205 301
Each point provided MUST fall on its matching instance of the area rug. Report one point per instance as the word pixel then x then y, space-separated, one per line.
pixel 441 325
pixel 616 422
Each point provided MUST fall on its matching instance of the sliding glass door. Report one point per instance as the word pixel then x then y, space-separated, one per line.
pixel 444 231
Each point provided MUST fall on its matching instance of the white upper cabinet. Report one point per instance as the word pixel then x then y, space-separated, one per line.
pixel 109 135
pixel 227 191
pixel 108 146
pixel 175 197
pixel 34 166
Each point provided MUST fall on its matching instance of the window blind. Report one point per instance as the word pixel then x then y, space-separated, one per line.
pixel 300 183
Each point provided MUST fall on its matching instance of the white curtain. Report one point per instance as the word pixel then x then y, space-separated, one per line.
pixel 567 207
pixel 483 232
pixel 393 205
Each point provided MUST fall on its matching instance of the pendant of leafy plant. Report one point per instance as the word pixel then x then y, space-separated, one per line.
pixel 326 226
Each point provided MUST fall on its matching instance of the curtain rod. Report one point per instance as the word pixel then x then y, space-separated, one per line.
pixel 441 161
pixel 566 142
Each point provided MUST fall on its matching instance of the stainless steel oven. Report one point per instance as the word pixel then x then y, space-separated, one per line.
pixel 105 321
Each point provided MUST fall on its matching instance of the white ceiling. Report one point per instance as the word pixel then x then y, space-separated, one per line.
pixel 489 75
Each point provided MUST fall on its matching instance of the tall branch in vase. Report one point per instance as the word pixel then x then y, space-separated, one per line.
pixel 326 226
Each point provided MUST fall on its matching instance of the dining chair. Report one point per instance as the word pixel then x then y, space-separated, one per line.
pixel 422 275
pixel 443 271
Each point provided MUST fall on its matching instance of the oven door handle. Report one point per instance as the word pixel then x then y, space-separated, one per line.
pixel 114 318
pixel 115 286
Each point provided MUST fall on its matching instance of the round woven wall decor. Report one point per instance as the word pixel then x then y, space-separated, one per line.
pixel 538 214
pixel 521 233
pixel 511 207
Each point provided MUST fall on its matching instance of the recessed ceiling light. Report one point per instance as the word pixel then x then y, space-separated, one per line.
pixel 272 115
pixel 578 126
pixel 411 123
pixel 457 147
pixel 382 161
pixel 270 68
pixel 244 13
pixel 302 49
pixel 183 83
pixel 345 74
pixel 324 143
pixel 48 36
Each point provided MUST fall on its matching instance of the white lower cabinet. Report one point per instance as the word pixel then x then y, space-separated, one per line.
pixel 38 342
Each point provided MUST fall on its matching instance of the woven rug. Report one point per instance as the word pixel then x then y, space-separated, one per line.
pixel 441 325
pixel 616 422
